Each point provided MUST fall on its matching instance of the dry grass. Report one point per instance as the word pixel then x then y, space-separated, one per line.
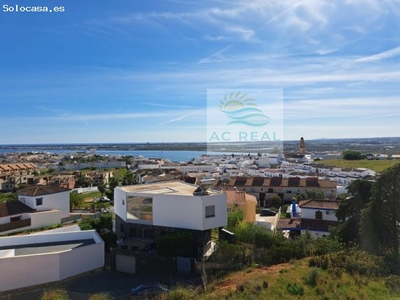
pixel 376 165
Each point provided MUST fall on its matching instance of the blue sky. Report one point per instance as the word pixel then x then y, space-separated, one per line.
pixel 139 71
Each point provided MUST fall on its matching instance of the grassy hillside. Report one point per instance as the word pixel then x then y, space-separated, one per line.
pixel 293 281
pixel 376 165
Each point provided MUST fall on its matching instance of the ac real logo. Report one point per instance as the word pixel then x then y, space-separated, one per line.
pixel 242 110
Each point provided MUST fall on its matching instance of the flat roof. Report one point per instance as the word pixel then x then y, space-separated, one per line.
pixel 167 187
pixel 41 248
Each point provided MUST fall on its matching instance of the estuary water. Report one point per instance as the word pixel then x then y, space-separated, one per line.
pixel 177 156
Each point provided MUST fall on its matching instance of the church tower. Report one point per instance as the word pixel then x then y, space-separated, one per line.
pixel 302 148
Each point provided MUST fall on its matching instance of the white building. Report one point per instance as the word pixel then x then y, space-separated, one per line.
pixel 37 259
pixel 317 216
pixel 46 198
pixel 170 204
pixel 100 165
pixel 38 206
pixel 148 211
pixel 192 167
pixel 16 216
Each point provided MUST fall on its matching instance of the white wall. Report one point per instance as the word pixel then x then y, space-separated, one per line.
pixel 120 203
pixel 21 271
pixel 27 270
pixel 81 260
pixel 309 213
pixel 178 211
pixel 221 211
pixel 6 220
pixel 58 201
pixel 45 218
pixel 86 189
pixel 189 211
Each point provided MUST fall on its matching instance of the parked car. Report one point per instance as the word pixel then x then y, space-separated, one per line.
pixel 149 290
pixel 104 199
pixel 265 212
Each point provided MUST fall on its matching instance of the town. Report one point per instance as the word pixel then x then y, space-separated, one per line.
pixel 154 214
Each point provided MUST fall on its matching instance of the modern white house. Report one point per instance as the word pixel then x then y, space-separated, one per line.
pixel 37 259
pixel 151 210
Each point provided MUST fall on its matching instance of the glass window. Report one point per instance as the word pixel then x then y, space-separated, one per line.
pixel 39 201
pixel 210 211
pixel 140 208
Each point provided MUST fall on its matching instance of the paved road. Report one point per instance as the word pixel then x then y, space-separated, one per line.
pixel 121 284
pixel 117 284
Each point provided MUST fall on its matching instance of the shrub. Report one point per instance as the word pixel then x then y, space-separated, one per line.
pixel 351 261
pixel 235 217
pixel 312 277
pixel 352 155
pixel 392 282
pixel 180 294
pixel 101 296
pixel 56 294
pixel 226 253
pixel 175 244
pixel 276 201
pixel 295 289
pixel 104 221
pixel 322 246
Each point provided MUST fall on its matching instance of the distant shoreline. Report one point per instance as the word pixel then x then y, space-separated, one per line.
pixel 390 144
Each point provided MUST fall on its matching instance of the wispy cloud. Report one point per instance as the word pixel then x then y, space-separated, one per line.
pixel 181 117
pixel 70 117
pixel 380 56
pixel 166 105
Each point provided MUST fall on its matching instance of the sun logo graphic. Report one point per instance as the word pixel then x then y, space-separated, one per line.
pixel 241 109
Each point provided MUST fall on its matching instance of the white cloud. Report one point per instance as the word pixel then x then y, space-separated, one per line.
pixel 180 118
pixel 216 38
pixel 380 56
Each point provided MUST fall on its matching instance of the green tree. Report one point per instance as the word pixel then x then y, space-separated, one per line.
pixel 311 194
pixel 352 155
pixel 76 200
pixel 113 183
pixel 103 222
pixel 350 209
pixel 5 197
pixel 380 220
pixel 129 178
pixel 102 189
pixel 82 180
pixel 276 201
pixel 128 159
pixel 235 217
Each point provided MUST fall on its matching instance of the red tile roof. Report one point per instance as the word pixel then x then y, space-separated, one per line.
pixel 323 204
pixel 311 182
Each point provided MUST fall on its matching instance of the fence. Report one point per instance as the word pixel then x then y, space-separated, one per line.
pixel 77 217
pixel 86 190
pixel 15 225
